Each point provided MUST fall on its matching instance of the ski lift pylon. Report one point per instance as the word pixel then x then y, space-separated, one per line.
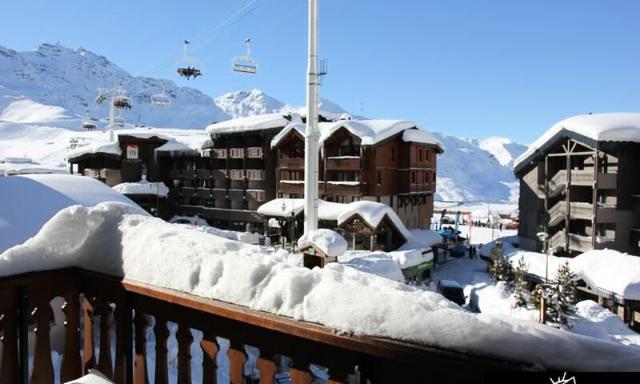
pixel 245 63
pixel 187 67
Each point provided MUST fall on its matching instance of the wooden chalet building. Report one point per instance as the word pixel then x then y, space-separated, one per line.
pixel 579 183
pixel 388 161
pixel 233 174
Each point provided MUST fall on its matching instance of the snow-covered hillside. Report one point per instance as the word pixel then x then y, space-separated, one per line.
pixel 470 170
pixel 55 75
pixel 44 95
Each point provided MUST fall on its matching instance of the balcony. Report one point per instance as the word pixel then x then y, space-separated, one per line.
pixel 424 188
pixel 578 211
pixel 126 310
pixel 291 186
pixel 345 188
pixel 343 163
pixel 291 162
pixel 577 243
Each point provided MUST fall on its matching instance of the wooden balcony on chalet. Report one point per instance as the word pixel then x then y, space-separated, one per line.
pixel 426 188
pixel 289 187
pixel 342 188
pixel 291 162
pixel 128 311
pixel 343 163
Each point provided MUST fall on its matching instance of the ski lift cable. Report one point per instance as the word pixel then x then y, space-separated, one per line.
pixel 208 36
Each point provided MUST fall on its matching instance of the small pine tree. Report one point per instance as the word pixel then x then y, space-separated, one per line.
pixel 566 293
pixel 498 266
pixel 521 293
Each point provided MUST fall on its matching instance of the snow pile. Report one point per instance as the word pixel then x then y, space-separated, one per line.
pixel 109 238
pixel 376 263
pixel 610 270
pixel 30 201
pixel 596 321
pixel 103 147
pixel 410 257
pixel 326 240
pixel 373 213
pixel 599 127
pixel 327 210
pixel 143 187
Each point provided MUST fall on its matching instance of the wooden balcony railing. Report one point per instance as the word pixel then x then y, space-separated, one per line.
pixel 343 163
pixel 125 310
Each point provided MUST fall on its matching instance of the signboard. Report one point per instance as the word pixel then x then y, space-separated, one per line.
pixel 132 151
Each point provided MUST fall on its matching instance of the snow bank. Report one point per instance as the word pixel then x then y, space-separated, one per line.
pixel 109 238
pixel 599 127
pixel 326 240
pixel 327 210
pixel 29 111
pixel 143 187
pixel 376 263
pixel 596 321
pixel 610 270
pixel 30 201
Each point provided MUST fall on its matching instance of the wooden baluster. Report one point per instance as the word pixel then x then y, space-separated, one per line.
pixel 121 325
pixel 105 363
pixel 300 377
pixel 237 359
pixel 42 364
pixel 10 368
pixel 162 333
pixel 71 360
pixel 209 354
pixel 185 338
pixel 140 365
pixel 267 369
pixel 89 356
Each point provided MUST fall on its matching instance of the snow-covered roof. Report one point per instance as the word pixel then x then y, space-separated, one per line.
pixel 326 240
pixel 154 252
pixel 327 210
pixel 611 271
pixel 143 187
pixel 250 123
pixel 370 132
pixel 615 127
pixel 174 146
pixel 373 213
pixel 102 147
pixel 29 201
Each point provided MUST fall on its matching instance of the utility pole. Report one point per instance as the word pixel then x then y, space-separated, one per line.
pixel 312 134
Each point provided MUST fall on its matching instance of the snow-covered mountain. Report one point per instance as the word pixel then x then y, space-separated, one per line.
pixel 45 93
pixel 470 171
pixel 55 75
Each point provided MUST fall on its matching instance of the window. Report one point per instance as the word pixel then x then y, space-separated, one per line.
pixel 254 152
pixel 413 177
pixel 420 154
pixel 255 174
pixel 237 153
pixel 219 153
pixel 256 195
pixel 236 174
pixel 379 177
pixel 295 175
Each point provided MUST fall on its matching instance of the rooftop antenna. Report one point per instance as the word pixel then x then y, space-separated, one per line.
pixel 245 63
pixel 312 134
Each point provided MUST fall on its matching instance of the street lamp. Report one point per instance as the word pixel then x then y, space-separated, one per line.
pixel 544 237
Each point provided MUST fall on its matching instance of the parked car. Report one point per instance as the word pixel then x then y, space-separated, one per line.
pixel 452 290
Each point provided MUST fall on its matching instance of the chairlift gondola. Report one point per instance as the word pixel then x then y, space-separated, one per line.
pixel 89 123
pixel 161 99
pixel 121 101
pixel 245 63
pixel 187 67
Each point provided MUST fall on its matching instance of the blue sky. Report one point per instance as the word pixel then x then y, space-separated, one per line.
pixel 472 68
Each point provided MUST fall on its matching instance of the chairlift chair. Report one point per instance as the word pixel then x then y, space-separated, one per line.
pixel 160 99
pixel 89 123
pixel 187 64
pixel 122 102
pixel 245 63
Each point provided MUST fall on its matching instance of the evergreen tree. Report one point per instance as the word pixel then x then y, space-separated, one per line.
pixel 521 293
pixel 566 293
pixel 499 267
